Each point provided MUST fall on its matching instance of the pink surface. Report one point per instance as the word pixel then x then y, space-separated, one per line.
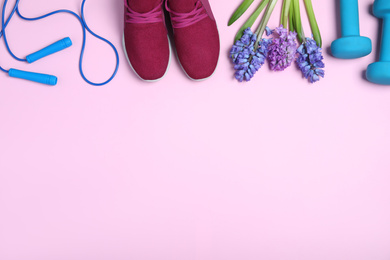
pixel 274 169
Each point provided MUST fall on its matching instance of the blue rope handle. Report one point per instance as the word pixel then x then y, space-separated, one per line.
pixel 84 28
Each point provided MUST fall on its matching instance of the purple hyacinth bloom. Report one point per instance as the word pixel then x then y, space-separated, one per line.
pixel 310 60
pixel 268 31
pixel 246 59
pixel 283 49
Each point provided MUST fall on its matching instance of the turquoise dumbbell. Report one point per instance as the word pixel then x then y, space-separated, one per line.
pixel 351 45
pixel 379 72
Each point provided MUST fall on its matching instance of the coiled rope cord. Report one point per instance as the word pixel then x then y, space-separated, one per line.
pixel 84 26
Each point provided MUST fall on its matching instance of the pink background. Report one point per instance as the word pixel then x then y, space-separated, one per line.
pixel 274 169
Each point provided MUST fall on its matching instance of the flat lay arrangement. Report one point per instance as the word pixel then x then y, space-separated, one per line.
pixel 156 30
pixel 194 130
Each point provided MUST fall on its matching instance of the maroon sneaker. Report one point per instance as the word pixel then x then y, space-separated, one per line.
pixel 196 36
pixel 146 41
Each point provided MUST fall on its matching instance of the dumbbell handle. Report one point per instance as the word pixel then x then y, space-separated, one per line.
pixel 32 76
pixel 349 10
pixel 385 42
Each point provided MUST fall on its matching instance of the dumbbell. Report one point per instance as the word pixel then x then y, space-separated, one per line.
pixel 379 72
pixel 351 45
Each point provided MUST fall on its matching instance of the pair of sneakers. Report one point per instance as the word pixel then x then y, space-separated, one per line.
pixel 147 43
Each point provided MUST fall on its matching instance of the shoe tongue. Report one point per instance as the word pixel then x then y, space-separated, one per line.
pixel 182 6
pixel 143 6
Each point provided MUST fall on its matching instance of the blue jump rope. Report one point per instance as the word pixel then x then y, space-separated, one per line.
pixel 53 48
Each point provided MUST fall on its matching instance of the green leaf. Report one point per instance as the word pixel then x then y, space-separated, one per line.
pixel 285 12
pixel 282 14
pixel 291 18
pixel 297 21
pixel 240 11
pixel 313 22
pixel 264 20
pixel 252 19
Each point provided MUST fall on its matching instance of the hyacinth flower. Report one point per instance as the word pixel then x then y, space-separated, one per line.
pixel 310 59
pixel 282 50
pixel 246 59
pixel 249 53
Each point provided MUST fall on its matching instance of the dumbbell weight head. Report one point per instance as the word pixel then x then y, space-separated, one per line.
pixel 351 47
pixel 379 73
pixel 381 8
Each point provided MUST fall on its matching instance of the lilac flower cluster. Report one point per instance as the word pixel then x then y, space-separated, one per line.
pixel 283 49
pixel 248 58
pixel 310 60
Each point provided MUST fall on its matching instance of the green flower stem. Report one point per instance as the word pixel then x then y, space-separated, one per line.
pixel 285 12
pixel 313 22
pixel 298 22
pixel 240 11
pixel 252 19
pixel 291 18
pixel 282 14
pixel 264 20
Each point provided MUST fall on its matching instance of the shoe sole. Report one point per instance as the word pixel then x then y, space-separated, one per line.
pixel 131 66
